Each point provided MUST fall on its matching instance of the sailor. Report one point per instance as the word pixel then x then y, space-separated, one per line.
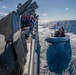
pixel 31 22
pixel 57 33
pixel 31 25
pixel 62 32
pixel 62 28
pixel 22 23
pixel 25 17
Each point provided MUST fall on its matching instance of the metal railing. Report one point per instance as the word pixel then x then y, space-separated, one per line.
pixel 33 55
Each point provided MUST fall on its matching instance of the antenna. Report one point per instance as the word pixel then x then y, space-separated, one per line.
pixel 19 5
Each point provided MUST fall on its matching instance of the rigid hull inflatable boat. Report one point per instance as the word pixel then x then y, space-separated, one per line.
pixel 58 53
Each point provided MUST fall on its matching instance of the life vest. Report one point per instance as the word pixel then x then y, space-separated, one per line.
pixel 31 18
pixel 25 17
pixel 31 23
pixel 62 33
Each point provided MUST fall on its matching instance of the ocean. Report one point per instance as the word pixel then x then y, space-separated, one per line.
pixel 45 31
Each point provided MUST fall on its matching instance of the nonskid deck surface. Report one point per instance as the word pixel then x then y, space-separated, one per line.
pixel 26 67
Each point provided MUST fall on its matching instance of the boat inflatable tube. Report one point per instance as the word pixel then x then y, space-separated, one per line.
pixel 57 39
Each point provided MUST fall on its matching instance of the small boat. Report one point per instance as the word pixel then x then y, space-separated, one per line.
pixel 58 53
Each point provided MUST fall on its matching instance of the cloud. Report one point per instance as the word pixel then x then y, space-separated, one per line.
pixel 44 19
pixel 44 14
pixel 66 8
pixel 4 7
pixel 15 5
pixel 3 14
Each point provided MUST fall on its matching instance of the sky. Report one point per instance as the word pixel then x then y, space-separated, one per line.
pixel 48 9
